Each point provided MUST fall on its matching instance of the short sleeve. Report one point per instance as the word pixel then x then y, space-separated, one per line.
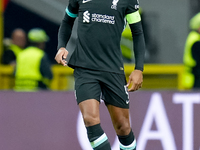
pixel 133 6
pixel 72 9
pixel 132 12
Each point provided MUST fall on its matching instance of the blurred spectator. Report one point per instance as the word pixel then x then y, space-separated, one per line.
pixel 191 58
pixel 16 45
pixel 33 69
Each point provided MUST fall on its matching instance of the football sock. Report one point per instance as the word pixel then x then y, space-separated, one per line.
pixel 98 138
pixel 127 142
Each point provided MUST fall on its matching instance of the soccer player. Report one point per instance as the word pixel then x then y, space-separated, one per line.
pixel 98 65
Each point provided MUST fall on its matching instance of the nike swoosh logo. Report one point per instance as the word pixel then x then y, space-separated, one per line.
pixel 85 1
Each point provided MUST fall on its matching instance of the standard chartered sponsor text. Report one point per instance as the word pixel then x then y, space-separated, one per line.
pixel 103 18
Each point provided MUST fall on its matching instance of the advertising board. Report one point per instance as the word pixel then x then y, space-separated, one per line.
pixel 161 120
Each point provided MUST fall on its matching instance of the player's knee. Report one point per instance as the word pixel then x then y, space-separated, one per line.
pixel 90 119
pixel 122 128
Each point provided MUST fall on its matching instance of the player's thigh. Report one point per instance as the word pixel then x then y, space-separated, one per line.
pixel 90 112
pixel 88 91
pixel 86 85
pixel 120 119
pixel 114 90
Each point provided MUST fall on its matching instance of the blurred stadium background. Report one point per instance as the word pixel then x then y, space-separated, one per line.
pixel 166 25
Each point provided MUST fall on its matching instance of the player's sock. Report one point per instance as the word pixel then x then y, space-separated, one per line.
pixel 98 138
pixel 127 142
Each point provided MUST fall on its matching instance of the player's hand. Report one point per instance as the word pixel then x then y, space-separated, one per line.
pixel 135 80
pixel 61 56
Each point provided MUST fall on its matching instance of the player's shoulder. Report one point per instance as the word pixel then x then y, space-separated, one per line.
pixel 133 6
pixel 78 1
pixel 74 1
pixel 73 5
pixel 134 1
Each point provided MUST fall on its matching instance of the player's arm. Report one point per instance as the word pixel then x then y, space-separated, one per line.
pixel 64 34
pixel 136 77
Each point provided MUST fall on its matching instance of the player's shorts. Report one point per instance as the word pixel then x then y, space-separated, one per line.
pixel 94 84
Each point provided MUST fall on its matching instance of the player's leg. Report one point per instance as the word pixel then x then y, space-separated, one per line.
pixel 121 123
pixel 115 95
pixel 90 112
pixel 88 93
pixel 97 137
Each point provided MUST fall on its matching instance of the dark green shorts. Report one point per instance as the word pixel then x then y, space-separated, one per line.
pixel 93 84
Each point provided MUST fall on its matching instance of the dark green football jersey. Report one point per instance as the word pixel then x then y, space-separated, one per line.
pixel 100 25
